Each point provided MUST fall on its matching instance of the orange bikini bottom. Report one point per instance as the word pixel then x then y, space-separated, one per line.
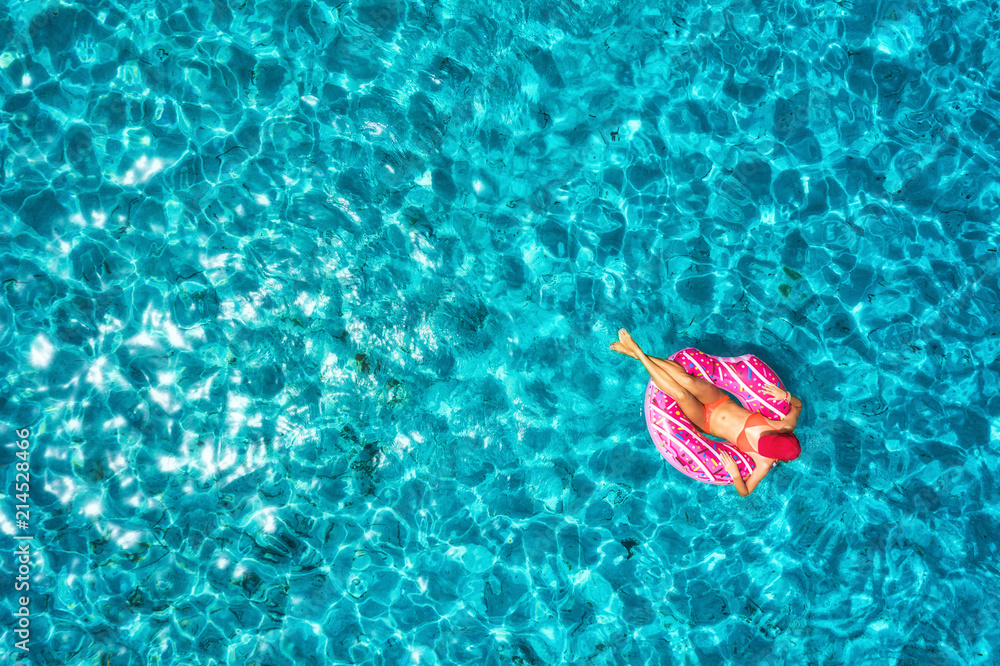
pixel 709 408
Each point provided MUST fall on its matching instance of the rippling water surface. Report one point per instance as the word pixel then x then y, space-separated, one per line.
pixel 307 305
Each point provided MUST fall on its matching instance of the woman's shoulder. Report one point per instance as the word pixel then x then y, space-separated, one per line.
pixel 759 460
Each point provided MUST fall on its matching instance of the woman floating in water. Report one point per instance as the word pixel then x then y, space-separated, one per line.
pixel 711 409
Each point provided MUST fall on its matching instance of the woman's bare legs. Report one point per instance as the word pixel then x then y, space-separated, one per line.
pixel 670 366
pixel 706 392
pixel 693 408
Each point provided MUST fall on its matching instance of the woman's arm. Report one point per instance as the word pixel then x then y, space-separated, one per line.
pixel 759 472
pixel 789 421
pixel 745 486
pixel 741 485
pixel 792 418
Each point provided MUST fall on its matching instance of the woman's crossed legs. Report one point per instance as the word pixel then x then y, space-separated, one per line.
pixel 691 393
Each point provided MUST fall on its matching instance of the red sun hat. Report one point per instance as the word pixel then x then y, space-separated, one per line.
pixel 780 446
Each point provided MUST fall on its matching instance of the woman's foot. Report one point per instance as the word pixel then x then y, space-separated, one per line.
pixel 620 348
pixel 628 343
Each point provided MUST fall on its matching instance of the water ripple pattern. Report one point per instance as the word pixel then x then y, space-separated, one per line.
pixel 308 305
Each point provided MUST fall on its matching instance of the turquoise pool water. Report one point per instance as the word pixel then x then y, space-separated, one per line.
pixel 307 307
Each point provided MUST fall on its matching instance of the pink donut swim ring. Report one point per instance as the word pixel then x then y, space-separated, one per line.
pixel 684 445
